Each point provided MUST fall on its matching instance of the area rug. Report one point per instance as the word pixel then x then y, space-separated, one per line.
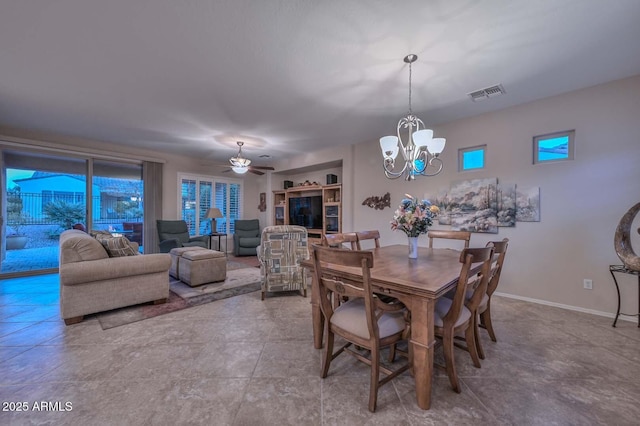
pixel 240 280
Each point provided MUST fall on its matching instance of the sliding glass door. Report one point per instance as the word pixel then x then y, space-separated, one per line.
pixel 44 194
pixel 118 199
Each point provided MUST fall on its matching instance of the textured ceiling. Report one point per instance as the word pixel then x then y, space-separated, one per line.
pixel 292 76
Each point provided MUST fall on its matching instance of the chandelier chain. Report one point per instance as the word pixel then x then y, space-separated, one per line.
pixel 410 112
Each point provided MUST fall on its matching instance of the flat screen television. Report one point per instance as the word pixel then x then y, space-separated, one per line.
pixel 306 211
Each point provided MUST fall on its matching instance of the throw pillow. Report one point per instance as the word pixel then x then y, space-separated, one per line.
pixel 116 246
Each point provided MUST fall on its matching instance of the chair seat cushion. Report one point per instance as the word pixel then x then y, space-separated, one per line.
pixel 352 317
pixel 483 303
pixel 442 308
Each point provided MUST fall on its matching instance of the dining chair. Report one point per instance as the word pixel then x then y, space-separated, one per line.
pixel 364 320
pixel 368 235
pixel 338 240
pixel 449 235
pixel 455 317
pixel 484 308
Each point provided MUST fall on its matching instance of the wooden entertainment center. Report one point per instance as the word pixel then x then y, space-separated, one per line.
pixel 331 221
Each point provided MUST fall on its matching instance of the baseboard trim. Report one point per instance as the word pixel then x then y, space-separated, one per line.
pixel 568 307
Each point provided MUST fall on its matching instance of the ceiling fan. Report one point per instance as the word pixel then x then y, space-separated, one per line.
pixel 242 165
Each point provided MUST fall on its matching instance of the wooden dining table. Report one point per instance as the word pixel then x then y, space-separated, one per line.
pixel 418 283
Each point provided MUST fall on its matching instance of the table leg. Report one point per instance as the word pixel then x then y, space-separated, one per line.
pixel 422 347
pixel 316 314
pixel 618 291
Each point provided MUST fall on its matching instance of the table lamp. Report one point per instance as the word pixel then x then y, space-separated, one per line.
pixel 213 213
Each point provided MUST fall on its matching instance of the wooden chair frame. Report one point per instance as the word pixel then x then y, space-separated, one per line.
pixel 500 249
pixel 449 235
pixel 368 235
pixel 449 329
pixel 329 286
pixel 337 240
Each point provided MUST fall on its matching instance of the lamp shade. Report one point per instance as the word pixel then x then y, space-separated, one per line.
pixel 422 137
pixel 389 144
pixel 213 213
pixel 436 145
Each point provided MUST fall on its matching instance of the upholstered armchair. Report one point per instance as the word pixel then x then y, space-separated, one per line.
pixel 246 237
pixel 280 252
pixel 175 233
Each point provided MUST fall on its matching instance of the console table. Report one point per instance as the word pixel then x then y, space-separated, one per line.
pixel 219 235
pixel 621 269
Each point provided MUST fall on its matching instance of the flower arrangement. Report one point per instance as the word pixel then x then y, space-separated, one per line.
pixel 414 217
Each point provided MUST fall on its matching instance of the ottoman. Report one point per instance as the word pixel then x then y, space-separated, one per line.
pixel 176 254
pixel 197 267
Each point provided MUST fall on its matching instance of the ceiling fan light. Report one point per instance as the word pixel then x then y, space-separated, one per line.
pixel 240 162
pixel 240 170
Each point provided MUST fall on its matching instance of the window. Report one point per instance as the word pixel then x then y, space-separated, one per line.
pixel 199 193
pixel 553 147
pixel 471 158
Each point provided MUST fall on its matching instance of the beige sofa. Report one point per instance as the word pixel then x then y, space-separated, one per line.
pixel 91 281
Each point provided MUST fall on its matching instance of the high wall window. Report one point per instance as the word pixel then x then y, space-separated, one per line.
pixel 199 193
pixel 472 158
pixel 553 147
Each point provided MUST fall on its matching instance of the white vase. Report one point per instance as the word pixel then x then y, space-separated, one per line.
pixel 413 247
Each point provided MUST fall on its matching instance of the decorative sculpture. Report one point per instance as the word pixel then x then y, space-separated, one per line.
pixel 622 240
pixel 378 203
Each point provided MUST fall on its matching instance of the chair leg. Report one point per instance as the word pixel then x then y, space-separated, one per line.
pixel 476 337
pixel 263 293
pixel 375 378
pixel 447 345
pixel 328 354
pixel 471 344
pixel 485 318
pixel 392 353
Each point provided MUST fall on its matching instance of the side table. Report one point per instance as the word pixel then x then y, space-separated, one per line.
pixel 219 235
pixel 620 268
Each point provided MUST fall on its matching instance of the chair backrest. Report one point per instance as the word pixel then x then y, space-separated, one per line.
pixel 173 229
pixel 288 243
pixel 499 248
pixel 337 240
pixel 474 283
pixel 449 235
pixel 332 288
pixel 368 235
pixel 247 225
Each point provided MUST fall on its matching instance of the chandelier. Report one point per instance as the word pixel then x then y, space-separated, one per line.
pixel 420 150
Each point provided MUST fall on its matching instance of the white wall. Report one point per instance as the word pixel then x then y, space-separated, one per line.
pixel 582 200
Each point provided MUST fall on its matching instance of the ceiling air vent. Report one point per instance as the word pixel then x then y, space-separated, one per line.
pixel 486 93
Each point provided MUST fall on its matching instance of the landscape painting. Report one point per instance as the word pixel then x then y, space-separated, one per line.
pixel 473 205
pixel 506 198
pixel 441 199
pixel 527 204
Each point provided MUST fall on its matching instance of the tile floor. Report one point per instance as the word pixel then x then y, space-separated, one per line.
pixel 241 361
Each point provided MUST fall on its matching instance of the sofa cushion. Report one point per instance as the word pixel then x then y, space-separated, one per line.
pixel 78 246
pixel 117 246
